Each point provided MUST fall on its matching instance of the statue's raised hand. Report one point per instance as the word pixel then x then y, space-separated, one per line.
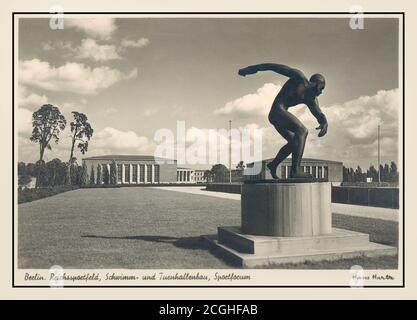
pixel 248 70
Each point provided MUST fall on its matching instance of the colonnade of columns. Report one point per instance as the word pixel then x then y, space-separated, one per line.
pixel 138 173
pixel 315 173
pixel 185 176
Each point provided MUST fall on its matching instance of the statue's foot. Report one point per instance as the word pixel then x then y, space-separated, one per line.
pixel 300 175
pixel 273 169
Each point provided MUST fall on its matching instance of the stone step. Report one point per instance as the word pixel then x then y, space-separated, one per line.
pixel 251 244
pixel 262 260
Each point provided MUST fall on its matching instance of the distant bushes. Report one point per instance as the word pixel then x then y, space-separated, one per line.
pixel 28 195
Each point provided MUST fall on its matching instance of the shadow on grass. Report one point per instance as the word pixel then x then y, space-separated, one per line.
pixel 193 243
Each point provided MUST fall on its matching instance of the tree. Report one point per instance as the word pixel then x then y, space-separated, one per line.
pixel 55 171
pixel 384 172
pixel 30 169
pixel 219 172
pixel 358 176
pixel 106 175
pixel 21 169
pixel 346 177
pixel 47 123
pixel 351 175
pixel 393 172
pixel 92 178
pixel 113 173
pixel 207 176
pixel 41 174
pixel 99 178
pixel 78 175
pixel 83 175
pixel 81 132
pixel 372 173
pixel 23 180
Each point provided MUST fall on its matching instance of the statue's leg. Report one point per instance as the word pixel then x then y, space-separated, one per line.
pixel 284 152
pixel 287 121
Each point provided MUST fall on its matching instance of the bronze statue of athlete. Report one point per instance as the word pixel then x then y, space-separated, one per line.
pixel 295 91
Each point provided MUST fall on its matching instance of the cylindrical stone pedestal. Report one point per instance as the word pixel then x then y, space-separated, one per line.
pixel 286 209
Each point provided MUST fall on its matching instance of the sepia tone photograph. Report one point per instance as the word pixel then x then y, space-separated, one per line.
pixel 213 149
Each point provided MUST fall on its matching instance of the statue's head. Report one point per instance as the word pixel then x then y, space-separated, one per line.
pixel 317 83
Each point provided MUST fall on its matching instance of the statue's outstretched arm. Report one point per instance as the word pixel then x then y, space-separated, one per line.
pixel 319 115
pixel 278 68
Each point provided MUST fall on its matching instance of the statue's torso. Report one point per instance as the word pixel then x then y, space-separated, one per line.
pixel 291 94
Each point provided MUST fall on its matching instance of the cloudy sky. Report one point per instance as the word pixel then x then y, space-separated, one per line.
pixel 132 77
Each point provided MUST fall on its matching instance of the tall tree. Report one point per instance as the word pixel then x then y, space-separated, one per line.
pixel 54 168
pixel 92 178
pixel 81 131
pixel 83 175
pixel 99 178
pixel 47 123
pixel 113 173
pixel 358 174
pixel 372 173
pixel 21 166
pixel 346 174
pixel 106 175
pixel 393 172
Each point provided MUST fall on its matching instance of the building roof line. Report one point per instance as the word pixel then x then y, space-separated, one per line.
pixel 121 157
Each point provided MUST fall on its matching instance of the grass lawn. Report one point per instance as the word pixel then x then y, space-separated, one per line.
pixel 143 228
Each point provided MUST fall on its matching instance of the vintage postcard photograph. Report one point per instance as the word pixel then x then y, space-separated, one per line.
pixel 208 150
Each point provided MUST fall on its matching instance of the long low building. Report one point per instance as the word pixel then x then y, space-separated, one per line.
pixel 141 169
pixel 318 168
pixel 134 169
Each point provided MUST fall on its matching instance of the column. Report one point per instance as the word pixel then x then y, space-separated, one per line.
pixel 146 173
pixel 130 173
pixel 322 171
pixel 123 173
pixel 153 173
pixel 286 172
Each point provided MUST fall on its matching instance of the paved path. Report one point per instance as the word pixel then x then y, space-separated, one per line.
pixel 340 208
pixel 201 191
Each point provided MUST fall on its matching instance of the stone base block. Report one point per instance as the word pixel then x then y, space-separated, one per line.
pixel 256 251
pixel 286 209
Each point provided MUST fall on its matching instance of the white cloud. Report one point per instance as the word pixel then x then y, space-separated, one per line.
pixel 111 140
pixel 71 77
pixel 90 49
pixel 142 42
pixel 102 28
pixel 253 104
pixel 62 45
pixel 27 99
